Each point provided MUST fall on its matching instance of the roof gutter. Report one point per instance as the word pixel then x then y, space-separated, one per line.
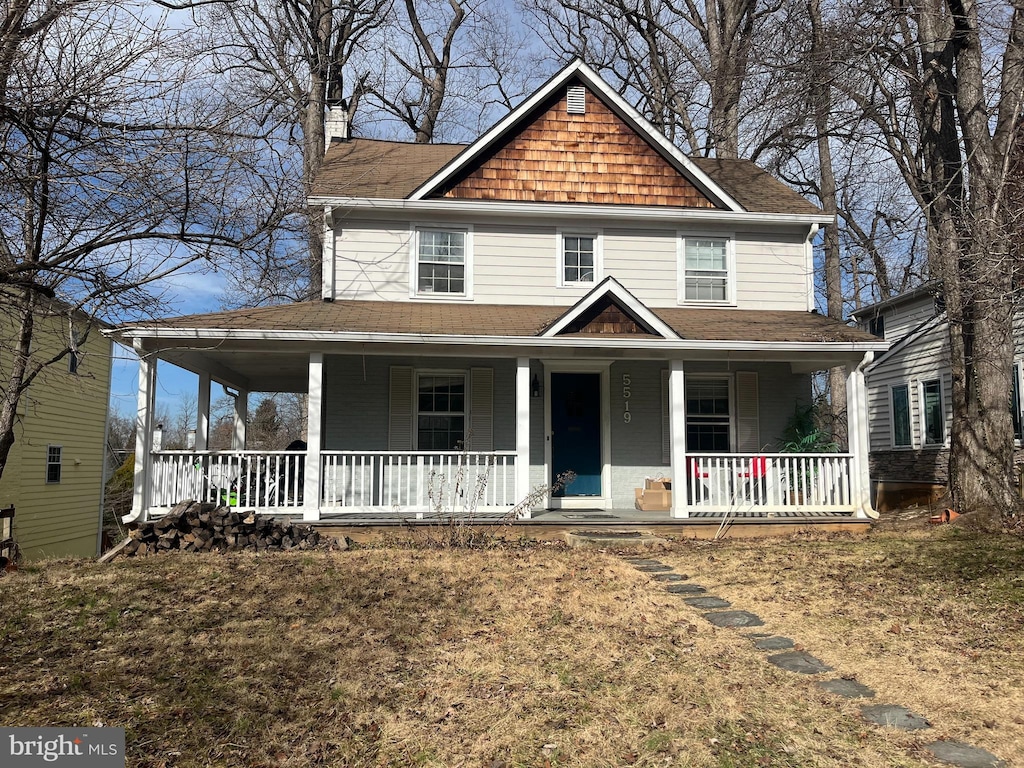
pixel 561 210
pixel 575 342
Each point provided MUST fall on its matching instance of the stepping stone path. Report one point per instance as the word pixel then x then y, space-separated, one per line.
pixel 707 602
pixel 851 689
pixel 799 661
pixel 962 755
pixel 773 643
pixel 734 619
pixel 684 589
pixel 892 715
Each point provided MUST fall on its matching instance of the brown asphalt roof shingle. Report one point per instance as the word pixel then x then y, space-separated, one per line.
pixel 389 170
pixel 415 318
pixel 393 170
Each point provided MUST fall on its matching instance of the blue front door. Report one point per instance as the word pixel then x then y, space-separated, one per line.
pixel 576 431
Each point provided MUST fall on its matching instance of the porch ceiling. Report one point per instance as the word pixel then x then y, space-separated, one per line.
pixel 251 370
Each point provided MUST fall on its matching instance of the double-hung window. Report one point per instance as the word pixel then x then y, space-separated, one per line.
pixel 579 259
pixel 708 424
pixel 901 437
pixel 441 262
pixel 440 411
pixel 53 463
pixel 934 417
pixel 706 270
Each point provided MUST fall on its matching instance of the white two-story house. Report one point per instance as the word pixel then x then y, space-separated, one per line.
pixel 910 409
pixel 568 293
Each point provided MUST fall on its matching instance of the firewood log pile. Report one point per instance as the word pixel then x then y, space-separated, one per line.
pixel 194 527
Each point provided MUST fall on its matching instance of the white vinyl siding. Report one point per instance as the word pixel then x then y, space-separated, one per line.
pixel 901 320
pixel 512 263
pixel 925 359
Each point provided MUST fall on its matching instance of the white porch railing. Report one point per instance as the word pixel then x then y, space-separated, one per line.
pixel 773 482
pixel 418 481
pixel 254 479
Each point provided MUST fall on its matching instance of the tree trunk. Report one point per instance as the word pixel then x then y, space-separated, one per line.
pixel 20 375
pixel 821 103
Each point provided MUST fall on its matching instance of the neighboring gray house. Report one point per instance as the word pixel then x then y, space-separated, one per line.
pixel 909 391
pixel 568 292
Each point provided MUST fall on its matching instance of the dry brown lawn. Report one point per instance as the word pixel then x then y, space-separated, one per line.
pixel 520 656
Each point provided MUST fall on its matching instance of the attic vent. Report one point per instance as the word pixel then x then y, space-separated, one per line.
pixel 576 100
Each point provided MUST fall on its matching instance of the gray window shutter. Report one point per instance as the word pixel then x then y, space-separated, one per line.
pixel 748 438
pixel 481 410
pixel 400 413
pixel 666 421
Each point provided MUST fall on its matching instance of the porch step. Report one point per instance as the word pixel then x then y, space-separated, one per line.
pixel 611 539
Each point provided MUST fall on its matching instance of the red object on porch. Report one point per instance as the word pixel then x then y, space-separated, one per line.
pixel 758 468
pixel 695 469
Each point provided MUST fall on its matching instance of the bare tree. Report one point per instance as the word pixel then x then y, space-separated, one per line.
pixel 293 59
pixel 451 66
pixel 114 174
pixel 684 63
pixel 950 126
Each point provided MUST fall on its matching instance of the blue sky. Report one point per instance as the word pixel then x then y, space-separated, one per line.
pixel 186 294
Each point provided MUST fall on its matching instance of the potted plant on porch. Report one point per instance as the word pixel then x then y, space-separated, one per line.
pixel 804 434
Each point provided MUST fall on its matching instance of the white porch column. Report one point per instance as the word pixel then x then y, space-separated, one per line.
pixel 203 413
pixel 143 434
pixel 523 432
pixel 314 440
pixel 857 420
pixel 677 428
pixel 241 416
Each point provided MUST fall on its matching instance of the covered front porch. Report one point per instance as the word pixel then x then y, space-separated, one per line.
pixel 647 414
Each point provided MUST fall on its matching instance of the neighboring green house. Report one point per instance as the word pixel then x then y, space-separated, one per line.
pixel 54 475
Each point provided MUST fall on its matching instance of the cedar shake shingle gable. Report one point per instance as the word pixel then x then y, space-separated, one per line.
pixel 590 155
pixel 416 318
pixel 393 170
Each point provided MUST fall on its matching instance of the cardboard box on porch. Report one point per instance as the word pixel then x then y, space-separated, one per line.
pixel 658 484
pixel 653 499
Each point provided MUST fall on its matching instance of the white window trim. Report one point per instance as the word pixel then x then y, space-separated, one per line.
pixel 414 262
pixel 892 417
pixel 944 443
pixel 416 374
pixel 46 477
pixel 730 264
pixel 598 236
pixel 730 378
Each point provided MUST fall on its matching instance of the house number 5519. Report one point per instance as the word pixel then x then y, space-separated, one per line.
pixel 626 393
